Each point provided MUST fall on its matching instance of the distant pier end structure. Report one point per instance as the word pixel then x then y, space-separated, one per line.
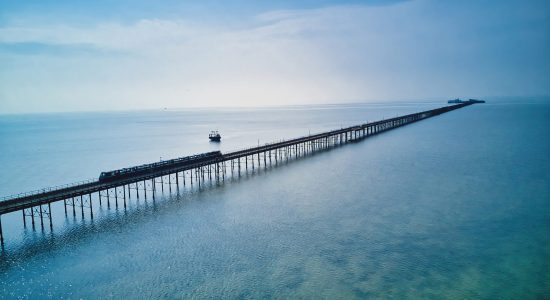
pixel 471 101
pixel 114 188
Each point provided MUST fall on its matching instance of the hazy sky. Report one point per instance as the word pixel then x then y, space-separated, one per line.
pixel 68 55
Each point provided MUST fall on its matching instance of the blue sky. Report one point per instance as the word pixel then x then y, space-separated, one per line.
pixel 106 54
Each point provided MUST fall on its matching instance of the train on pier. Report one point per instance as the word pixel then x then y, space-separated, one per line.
pixel 158 166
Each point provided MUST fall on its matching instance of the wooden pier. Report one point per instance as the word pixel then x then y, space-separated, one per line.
pixel 36 206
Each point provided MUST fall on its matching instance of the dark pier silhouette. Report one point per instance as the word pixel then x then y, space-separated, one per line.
pixel 36 206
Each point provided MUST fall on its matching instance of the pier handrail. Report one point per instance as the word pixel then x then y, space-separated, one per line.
pixel 46 189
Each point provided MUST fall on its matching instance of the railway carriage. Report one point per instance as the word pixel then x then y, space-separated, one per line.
pixel 158 166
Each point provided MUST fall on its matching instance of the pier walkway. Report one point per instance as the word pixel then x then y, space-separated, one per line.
pixel 37 205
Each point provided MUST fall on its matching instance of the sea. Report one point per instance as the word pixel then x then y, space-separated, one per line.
pixel 453 207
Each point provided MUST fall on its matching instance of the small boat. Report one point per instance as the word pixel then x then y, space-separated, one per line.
pixel 214 136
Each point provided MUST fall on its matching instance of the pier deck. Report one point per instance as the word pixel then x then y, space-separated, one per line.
pixel 38 204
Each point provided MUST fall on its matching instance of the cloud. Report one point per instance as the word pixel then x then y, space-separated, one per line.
pixel 111 36
pixel 331 54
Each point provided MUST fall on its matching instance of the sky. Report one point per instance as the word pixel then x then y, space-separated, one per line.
pixel 70 55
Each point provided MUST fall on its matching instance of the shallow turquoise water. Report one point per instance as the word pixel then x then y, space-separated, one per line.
pixel 456 206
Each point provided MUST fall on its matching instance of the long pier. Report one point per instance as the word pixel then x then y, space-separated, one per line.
pixel 37 205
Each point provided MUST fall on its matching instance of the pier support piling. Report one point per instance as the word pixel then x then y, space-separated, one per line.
pixel 1 232
pixel 91 206
pixel 74 210
pixel 41 217
pixel 82 205
pixel 50 215
pixel 32 217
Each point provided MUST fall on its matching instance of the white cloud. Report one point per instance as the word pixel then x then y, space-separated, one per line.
pixel 330 54
pixel 105 35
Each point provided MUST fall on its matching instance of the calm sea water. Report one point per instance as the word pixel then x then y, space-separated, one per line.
pixel 457 206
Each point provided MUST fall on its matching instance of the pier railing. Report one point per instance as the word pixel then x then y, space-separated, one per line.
pixel 47 189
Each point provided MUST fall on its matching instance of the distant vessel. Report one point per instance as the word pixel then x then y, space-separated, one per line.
pixel 457 100
pixel 214 136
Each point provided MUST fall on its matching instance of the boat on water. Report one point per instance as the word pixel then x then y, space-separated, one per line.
pixel 214 136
